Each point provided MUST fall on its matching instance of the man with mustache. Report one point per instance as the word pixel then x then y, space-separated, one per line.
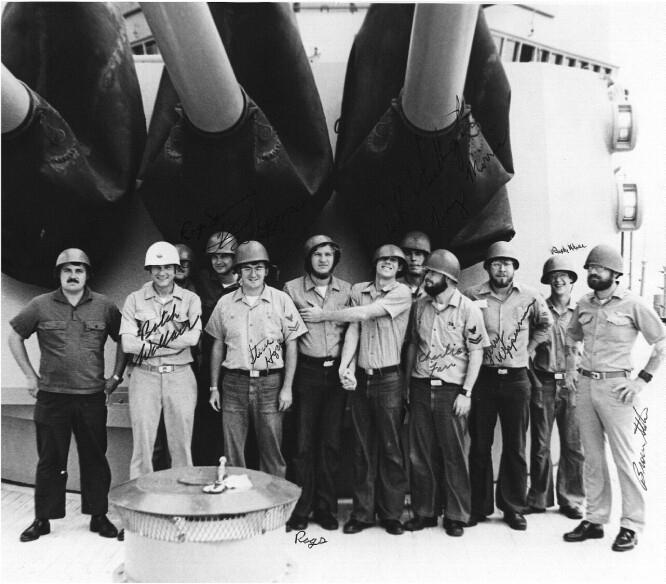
pixel 607 321
pixel 378 319
pixel 416 247
pixel 444 355
pixel 517 320
pixel 557 404
pixel 72 325
pixel 321 398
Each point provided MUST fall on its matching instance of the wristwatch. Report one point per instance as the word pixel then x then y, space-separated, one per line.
pixel 465 392
pixel 118 379
pixel 213 388
pixel 645 376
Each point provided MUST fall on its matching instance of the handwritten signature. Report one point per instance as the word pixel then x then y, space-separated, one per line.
pixel 436 365
pixel 568 248
pixel 270 349
pixel 640 427
pixel 302 537
pixel 161 340
pixel 506 346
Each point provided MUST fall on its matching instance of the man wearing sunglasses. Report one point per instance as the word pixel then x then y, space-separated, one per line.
pixel 255 330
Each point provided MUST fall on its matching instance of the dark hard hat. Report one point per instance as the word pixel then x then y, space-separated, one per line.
pixel 316 241
pixel 222 242
pixel 444 262
pixel 185 252
pixel 501 249
pixel 249 252
pixel 605 256
pixel 416 240
pixel 389 251
pixel 72 255
pixel 558 263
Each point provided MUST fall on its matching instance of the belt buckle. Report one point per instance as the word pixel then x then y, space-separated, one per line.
pixel 502 371
pixel 329 363
pixel 370 371
pixel 164 368
pixel 435 383
pixel 254 373
pixel 595 375
pixel 559 376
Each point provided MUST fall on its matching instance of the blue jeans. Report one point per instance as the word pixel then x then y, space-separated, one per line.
pixel 555 407
pixel 438 452
pixel 320 407
pixel 506 396
pixel 380 481
pixel 255 398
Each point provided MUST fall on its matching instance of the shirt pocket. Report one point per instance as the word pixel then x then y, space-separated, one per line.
pixel 94 334
pixel 621 326
pixel 586 321
pixel 53 333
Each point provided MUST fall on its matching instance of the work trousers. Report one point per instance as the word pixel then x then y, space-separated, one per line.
pixel 602 415
pixel 57 416
pixel 380 481
pixel 555 406
pixel 438 450
pixel 320 408
pixel 507 396
pixel 253 398
pixel 175 396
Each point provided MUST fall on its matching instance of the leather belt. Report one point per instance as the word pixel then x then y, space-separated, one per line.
pixel 603 374
pixel 503 370
pixel 255 372
pixel 381 370
pixel 319 361
pixel 433 381
pixel 161 368
pixel 550 374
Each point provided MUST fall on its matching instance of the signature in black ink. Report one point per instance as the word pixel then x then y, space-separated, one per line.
pixel 436 365
pixel 640 427
pixel 163 339
pixel 567 248
pixel 302 537
pixel 146 329
pixel 270 349
pixel 506 346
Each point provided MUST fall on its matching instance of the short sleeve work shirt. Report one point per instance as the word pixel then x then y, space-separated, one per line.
pixel 445 336
pixel 381 338
pixel 608 331
pixel 71 339
pixel 323 339
pixel 550 356
pixel 254 334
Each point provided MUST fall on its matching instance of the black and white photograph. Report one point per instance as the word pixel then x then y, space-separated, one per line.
pixel 333 292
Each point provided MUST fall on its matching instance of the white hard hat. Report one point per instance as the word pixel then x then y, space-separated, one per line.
pixel 162 253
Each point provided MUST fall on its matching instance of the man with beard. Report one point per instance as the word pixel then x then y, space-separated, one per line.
pixel 321 399
pixel 557 403
pixel 217 279
pixel 160 323
pixel 416 247
pixel 255 330
pixel 72 325
pixel 444 355
pixel 378 319
pixel 517 320
pixel 607 321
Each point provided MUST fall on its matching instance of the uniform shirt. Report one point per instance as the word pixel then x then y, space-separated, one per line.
pixel 511 323
pixel 550 356
pixel 179 320
pixel 323 339
pixel 71 339
pixel 444 337
pixel 417 291
pixel 254 334
pixel 211 291
pixel 382 337
pixel 609 331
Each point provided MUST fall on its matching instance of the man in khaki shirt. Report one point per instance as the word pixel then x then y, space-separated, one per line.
pixel 255 330
pixel 378 321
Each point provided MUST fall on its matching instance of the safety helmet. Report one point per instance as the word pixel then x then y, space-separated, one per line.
pixel 389 251
pixel 72 255
pixel 605 256
pixel 317 241
pixel 444 262
pixel 501 249
pixel 162 253
pixel 416 240
pixel 249 252
pixel 222 242
pixel 185 252
pixel 557 263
